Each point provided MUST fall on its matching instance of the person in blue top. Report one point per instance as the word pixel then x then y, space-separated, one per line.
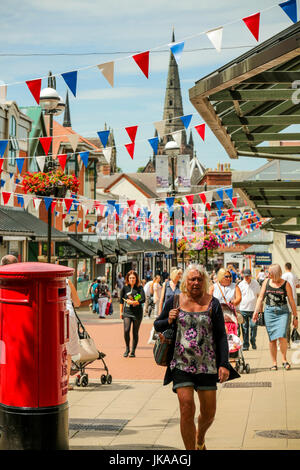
pixel 232 272
pixel 170 287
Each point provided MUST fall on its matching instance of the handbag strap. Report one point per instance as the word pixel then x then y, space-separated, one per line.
pixel 176 301
pixel 222 293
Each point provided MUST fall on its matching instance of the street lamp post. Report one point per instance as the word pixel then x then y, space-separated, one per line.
pixel 171 149
pixel 52 105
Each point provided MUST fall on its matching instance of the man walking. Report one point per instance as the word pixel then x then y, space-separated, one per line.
pixel 8 259
pixel 250 291
pixel 120 281
pixel 294 283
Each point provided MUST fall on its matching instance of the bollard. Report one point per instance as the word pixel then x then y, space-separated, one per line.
pixel 34 327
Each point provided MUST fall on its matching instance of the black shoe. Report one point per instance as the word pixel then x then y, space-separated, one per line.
pixel 132 354
pixel 126 353
pixel 254 346
pixel 245 349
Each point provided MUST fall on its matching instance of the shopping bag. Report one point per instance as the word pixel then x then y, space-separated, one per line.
pixel 108 306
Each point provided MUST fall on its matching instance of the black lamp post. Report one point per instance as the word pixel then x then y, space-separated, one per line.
pixel 52 105
pixel 171 149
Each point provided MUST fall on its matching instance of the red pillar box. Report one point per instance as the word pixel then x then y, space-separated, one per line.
pixel 34 327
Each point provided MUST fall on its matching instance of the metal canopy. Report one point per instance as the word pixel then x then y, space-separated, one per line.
pixel 249 101
pixel 278 200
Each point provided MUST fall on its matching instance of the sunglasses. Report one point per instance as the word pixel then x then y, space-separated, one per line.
pixel 227 277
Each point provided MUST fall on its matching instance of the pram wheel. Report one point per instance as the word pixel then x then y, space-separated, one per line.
pixel 247 369
pixel 103 379
pixel 77 381
pixel 84 380
pixel 109 379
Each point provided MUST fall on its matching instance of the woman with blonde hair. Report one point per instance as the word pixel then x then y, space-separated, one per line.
pixel 199 353
pixel 170 287
pixel 226 291
pixel 157 289
pixel 276 291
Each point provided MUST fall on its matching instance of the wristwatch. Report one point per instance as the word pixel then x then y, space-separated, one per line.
pixel 295 318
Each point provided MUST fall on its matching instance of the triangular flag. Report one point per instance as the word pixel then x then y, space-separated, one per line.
pixel 229 193
pixel 37 201
pixel 130 149
pixel 176 48
pixel 107 70
pixel 186 120
pixel 73 139
pixel 203 197
pixel 68 203
pixel 234 201
pixel 177 136
pixel 142 61
pixel 3 145
pixel 107 153
pixel 6 197
pixel 219 204
pixel 215 37
pixel 71 80
pixel 201 130
pixel 290 8
pixel 46 143
pixel 62 161
pixel 41 162
pixel 154 144
pixel 252 23
pixel 35 88
pixel 27 198
pixel 20 200
pixel 48 202
pixel 20 163
pixel 170 204
pixel 131 205
pixel 84 157
pixel 190 199
pixel 131 131
pixel 220 193
pixel 103 136
pixel 160 127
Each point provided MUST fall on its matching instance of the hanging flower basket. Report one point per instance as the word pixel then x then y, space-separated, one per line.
pixel 54 183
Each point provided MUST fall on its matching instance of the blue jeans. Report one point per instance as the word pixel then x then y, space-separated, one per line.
pixel 95 305
pixel 245 328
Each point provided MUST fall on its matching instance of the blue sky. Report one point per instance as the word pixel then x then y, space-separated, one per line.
pixel 115 30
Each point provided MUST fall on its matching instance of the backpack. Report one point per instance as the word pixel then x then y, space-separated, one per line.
pixel 95 290
pixel 102 289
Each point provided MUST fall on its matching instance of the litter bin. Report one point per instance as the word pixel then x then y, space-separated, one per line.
pixel 34 327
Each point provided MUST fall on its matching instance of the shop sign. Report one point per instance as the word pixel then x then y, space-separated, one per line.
pixel 123 259
pixel 263 259
pixel 100 260
pixel 292 241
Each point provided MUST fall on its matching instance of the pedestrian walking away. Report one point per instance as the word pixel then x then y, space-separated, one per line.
pixel 250 290
pixel 104 296
pixel 276 291
pixel 90 293
pixel 131 310
pixel 289 276
pixel 148 291
pixel 120 284
pixel 199 356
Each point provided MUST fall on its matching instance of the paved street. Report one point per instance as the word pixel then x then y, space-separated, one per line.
pixel 137 412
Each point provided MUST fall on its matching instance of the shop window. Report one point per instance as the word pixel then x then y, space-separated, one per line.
pixel 13 143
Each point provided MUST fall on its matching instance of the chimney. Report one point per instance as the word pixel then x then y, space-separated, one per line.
pixel 105 170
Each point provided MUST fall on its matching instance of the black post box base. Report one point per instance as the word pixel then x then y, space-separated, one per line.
pixel 34 428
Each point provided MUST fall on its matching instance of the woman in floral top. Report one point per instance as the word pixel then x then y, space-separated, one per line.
pixel 200 356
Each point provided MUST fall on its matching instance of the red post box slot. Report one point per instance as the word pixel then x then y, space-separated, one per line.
pixel 64 326
pixel 14 296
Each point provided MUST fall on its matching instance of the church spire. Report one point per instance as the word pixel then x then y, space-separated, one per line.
pixel 173 100
pixel 67 115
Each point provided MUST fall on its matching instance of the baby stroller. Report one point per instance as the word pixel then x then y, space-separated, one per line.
pixel 88 354
pixel 236 357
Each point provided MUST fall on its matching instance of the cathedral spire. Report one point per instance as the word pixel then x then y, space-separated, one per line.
pixel 67 115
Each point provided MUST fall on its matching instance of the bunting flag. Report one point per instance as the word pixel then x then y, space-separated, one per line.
pixel 3 145
pixel 107 70
pixel 219 204
pixel 154 144
pixel 48 202
pixel 215 37
pixel 160 127
pixel 142 61
pixel 35 88
pixel 203 197
pixel 234 201
pixel 45 143
pixel 201 130
pixel 41 162
pixel 176 48
pixel 103 136
pixel 73 139
pixel 220 193
pixel 37 203
pixel 1 164
pixel 62 161
pixel 107 153
pixel 186 120
pixel 177 136
pixel 68 204
pixel 131 205
pixel 131 131
pixel 190 199
pixel 20 200
pixel 71 80
pixel 84 157
pixel 6 197
pixel 130 149
pixel 290 8
pixel 20 163
pixel 170 204
pixel 229 193
pixel 252 23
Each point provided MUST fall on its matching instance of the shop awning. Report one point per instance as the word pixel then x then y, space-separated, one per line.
pixel 248 102
pixel 81 247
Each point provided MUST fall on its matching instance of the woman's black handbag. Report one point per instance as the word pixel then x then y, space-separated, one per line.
pixel 295 335
pixel 261 319
pixel 163 344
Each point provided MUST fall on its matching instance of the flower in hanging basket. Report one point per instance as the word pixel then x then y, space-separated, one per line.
pixel 54 183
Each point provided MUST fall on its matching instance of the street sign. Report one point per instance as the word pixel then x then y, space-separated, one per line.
pixel 292 241
pixel 263 259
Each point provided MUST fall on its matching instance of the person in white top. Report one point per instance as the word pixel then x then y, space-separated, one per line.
pixel 73 347
pixel 157 289
pixel 250 290
pixel 224 289
pixel 148 289
pixel 294 283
